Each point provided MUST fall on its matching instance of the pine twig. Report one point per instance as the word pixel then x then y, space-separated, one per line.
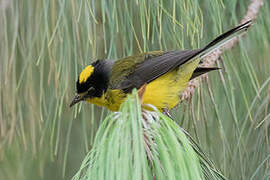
pixel 251 14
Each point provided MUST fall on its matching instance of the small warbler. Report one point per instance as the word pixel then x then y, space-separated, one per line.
pixel 165 75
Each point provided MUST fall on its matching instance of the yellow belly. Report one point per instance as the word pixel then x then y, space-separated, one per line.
pixel 163 93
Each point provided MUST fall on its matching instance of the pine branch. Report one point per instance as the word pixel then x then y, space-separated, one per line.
pixel 209 61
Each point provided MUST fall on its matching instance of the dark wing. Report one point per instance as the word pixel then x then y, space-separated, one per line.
pixel 153 67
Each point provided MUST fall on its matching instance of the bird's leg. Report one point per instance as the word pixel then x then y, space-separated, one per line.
pixel 141 92
pixel 167 113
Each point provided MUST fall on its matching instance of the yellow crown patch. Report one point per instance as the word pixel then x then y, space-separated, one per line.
pixel 86 73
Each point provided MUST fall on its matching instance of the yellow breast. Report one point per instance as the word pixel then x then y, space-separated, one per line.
pixel 111 100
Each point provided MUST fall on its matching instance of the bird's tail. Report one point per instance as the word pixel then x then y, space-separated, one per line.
pixel 202 70
pixel 222 39
pixel 215 44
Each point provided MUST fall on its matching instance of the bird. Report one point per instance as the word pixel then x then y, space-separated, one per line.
pixel 163 74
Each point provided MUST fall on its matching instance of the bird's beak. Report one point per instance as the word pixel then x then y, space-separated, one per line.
pixel 76 99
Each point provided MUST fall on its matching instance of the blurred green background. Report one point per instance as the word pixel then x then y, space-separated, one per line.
pixel 45 44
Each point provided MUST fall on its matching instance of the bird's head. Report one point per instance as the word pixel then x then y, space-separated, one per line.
pixel 92 81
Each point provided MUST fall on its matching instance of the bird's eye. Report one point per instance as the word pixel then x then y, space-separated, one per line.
pixel 91 89
pixel 89 93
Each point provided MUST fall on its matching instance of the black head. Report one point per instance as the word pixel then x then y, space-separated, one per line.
pixel 93 81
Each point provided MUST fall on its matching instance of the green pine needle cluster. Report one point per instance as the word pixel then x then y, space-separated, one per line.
pixel 134 145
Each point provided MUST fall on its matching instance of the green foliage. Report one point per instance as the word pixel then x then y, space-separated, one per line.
pixel 134 145
pixel 44 44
